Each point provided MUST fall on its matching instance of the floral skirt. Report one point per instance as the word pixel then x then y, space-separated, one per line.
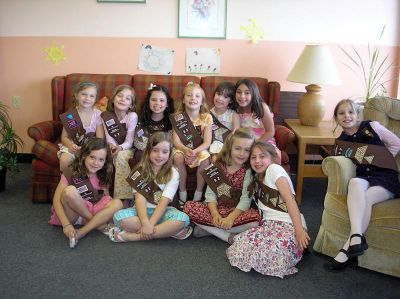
pixel 199 213
pixel 270 249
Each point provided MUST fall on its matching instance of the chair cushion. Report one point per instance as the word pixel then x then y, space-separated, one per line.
pixel 47 152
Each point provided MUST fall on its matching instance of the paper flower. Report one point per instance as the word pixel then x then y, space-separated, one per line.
pixel 253 31
pixel 55 53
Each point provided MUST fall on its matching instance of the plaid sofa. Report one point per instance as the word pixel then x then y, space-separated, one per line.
pixel 45 166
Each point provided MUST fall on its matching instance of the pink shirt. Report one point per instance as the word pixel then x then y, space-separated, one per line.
pixel 131 120
pixel 391 141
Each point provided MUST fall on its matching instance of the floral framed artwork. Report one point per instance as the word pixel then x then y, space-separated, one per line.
pixel 202 19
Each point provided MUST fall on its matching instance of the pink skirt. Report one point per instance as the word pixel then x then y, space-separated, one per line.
pixel 199 213
pixel 93 209
pixel 270 249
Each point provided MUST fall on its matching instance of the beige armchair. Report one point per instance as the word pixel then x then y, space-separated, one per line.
pixel 383 234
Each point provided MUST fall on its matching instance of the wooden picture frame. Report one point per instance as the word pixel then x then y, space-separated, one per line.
pixel 123 1
pixel 197 20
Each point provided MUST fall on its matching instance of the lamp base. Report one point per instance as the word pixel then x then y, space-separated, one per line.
pixel 311 107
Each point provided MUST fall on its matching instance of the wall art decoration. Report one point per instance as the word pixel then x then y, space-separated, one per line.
pixel 55 53
pixel 202 19
pixel 203 60
pixel 156 59
pixel 253 31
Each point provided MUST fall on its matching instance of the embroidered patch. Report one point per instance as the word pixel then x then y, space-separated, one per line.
pixel 157 196
pixel 220 133
pixel 224 189
pixel 140 133
pixel 359 155
pixel 70 116
pixel 179 117
pixel 71 124
pixel 110 122
pixel 135 175
pixel 82 189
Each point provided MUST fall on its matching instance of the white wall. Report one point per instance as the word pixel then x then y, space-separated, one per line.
pixel 338 21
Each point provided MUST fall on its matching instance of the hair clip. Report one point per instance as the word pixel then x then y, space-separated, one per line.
pixel 189 83
pixel 151 86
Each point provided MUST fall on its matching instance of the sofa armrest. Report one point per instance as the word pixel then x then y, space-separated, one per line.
pixel 283 136
pixel 339 170
pixel 47 130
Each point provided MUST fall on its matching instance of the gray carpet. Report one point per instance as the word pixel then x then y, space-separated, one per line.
pixel 35 261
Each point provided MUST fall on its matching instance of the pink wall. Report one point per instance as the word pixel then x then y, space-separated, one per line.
pixel 26 73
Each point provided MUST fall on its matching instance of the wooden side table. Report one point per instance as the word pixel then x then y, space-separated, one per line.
pixel 307 135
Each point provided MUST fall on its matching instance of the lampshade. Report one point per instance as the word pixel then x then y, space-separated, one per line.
pixel 315 66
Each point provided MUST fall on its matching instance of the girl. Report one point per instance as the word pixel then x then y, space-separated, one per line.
pixel 254 113
pixel 225 119
pixel 275 247
pixel 375 181
pixel 157 107
pixel 155 182
pixel 225 214
pixel 79 123
pixel 192 133
pixel 82 193
pixel 119 123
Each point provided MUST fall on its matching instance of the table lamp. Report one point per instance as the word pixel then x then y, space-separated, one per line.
pixel 315 66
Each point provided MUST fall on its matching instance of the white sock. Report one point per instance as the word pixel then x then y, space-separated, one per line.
pixel 197 195
pixel 182 196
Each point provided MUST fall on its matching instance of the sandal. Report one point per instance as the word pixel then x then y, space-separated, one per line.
pixel 184 233
pixel 107 228
pixel 116 235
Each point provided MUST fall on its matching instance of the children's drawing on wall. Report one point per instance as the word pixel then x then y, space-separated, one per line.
pixel 203 60
pixel 156 59
pixel 55 53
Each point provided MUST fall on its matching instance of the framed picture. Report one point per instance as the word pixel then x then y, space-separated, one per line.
pixel 123 1
pixel 202 19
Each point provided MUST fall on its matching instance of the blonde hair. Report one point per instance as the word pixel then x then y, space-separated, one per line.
pixel 165 174
pixel 225 155
pixel 117 90
pixel 189 87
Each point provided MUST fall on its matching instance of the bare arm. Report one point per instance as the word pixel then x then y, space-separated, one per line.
pixel 67 226
pixel 268 123
pixel 65 140
pixel 293 210
pixel 159 210
pixel 235 121
pixel 147 230
pixel 177 142
pixel 100 131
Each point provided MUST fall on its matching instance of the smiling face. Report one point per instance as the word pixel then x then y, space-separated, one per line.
pixel 159 155
pixel 158 102
pixel 346 117
pixel 123 100
pixel 240 151
pixel 193 98
pixel 243 96
pixel 86 97
pixel 95 160
pixel 221 100
pixel 259 160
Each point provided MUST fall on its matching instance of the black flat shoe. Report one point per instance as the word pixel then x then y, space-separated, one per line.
pixel 357 249
pixel 334 265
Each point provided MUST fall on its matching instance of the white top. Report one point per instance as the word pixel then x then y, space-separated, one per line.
pixel 168 190
pixel 131 120
pixel 272 174
pixel 225 118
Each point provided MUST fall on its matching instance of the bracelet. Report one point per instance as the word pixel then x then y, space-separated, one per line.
pixel 64 226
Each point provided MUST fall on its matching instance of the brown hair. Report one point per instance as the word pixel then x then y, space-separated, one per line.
pixel 82 86
pixel 266 147
pixel 78 165
pixel 117 90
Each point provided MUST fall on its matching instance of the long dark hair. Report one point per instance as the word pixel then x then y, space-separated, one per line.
pixel 78 165
pixel 256 99
pixel 145 115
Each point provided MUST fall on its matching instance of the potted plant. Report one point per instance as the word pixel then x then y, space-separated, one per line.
pixel 373 69
pixel 8 145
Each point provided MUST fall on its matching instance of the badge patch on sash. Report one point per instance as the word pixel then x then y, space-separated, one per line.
pixel 110 122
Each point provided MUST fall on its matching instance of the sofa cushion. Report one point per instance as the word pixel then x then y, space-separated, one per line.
pixel 47 152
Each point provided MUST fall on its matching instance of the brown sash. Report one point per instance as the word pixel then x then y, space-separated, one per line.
pixel 84 187
pixel 221 186
pixel 186 131
pixel 219 131
pixel 367 154
pixel 114 127
pixel 268 196
pixel 74 127
pixel 150 190
pixel 141 137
